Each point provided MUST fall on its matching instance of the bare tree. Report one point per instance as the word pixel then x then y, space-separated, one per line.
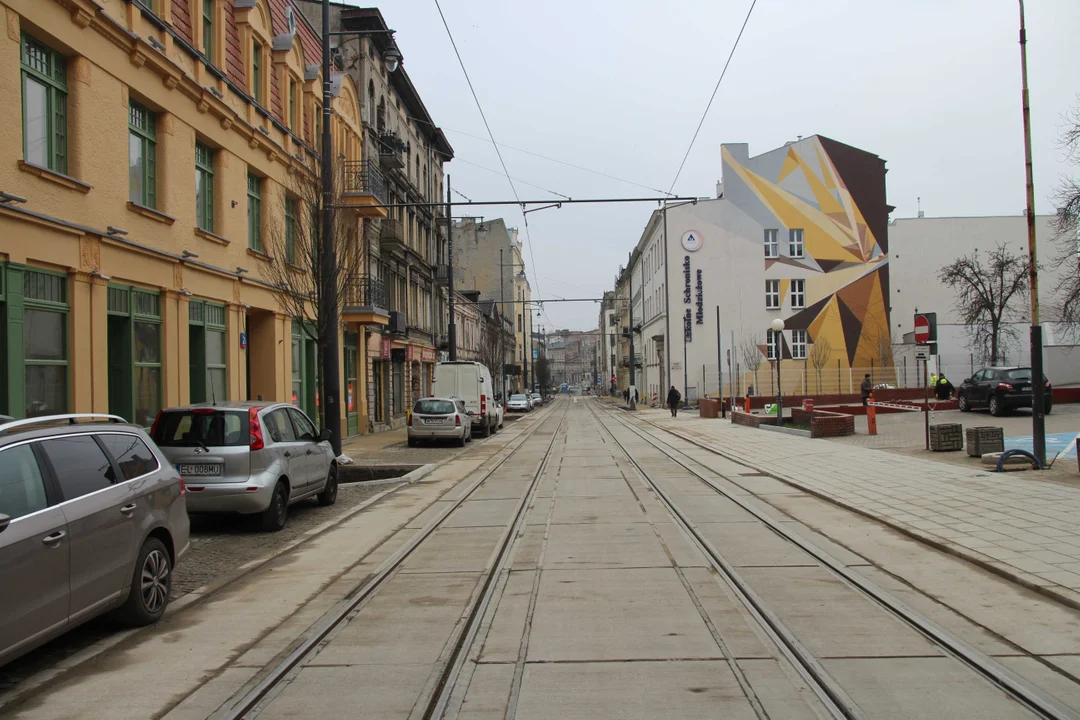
pixel 491 347
pixel 293 241
pixel 819 356
pixel 984 291
pixel 1067 199
pixel 543 373
pixel 750 351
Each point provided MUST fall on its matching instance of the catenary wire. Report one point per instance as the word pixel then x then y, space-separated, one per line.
pixel 713 96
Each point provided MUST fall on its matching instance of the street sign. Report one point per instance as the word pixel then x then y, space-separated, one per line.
pixel 922 329
pixel 922 352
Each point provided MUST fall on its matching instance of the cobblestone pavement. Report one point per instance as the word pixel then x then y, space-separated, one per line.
pixel 1017 524
pixel 219 545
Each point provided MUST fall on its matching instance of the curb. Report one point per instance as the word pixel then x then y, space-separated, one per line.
pixel 25 689
pixel 943 546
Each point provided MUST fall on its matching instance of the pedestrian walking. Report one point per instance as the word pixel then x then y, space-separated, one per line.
pixel 944 388
pixel 637 397
pixel 626 396
pixel 865 387
pixel 673 398
pixel 750 391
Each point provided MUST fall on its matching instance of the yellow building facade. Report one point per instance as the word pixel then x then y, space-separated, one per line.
pixel 148 152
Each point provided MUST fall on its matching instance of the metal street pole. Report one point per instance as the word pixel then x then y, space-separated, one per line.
pixel 1038 387
pixel 328 270
pixel 630 285
pixel 719 366
pixel 502 314
pixel 524 344
pixel 451 328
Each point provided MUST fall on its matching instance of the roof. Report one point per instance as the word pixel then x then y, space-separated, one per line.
pixel 354 18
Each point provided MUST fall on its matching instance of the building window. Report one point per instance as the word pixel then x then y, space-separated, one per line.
pixel 256 74
pixel 134 350
pixel 772 294
pixel 798 293
pixel 317 127
pixel 795 243
pixel 44 97
pixel 142 156
pixel 798 344
pixel 204 187
pixel 254 194
pixel 772 342
pixel 292 104
pixel 208 29
pixel 772 245
pixel 207 352
pixel 290 230
pixel 45 343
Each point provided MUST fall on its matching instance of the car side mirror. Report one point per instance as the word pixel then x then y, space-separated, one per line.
pixel 4 522
pixel 325 435
pixel 967 380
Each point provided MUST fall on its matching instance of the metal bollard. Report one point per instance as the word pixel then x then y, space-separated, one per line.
pixel 871 416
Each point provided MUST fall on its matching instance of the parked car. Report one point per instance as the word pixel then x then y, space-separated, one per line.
pixel 537 399
pixel 92 520
pixel 439 419
pixel 518 403
pixel 248 458
pixel 1000 389
pixel 470 382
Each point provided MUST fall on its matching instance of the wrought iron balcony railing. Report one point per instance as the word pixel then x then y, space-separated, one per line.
pixel 365 291
pixel 363 177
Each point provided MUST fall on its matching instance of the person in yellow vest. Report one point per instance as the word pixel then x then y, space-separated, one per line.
pixel 933 383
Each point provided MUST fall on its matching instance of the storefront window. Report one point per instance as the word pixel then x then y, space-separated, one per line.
pixel 399 388
pixel 134 347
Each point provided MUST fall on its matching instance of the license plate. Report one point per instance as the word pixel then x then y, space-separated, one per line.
pixel 433 421
pixel 1024 388
pixel 203 470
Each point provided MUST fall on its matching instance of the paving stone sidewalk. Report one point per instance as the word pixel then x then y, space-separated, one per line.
pixel 1014 523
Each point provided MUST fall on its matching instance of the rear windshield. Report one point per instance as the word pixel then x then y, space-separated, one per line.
pixel 1020 374
pixel 214 428
pixel 517 397
pixel 433 407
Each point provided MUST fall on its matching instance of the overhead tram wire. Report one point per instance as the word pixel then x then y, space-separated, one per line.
pixel 713 96
pixel 487 126
pixel 523 182
pixel 545 157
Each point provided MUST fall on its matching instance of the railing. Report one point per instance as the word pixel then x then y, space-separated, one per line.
pixel 365 291
pixel 442 274
pixel 391 149
pixel 363 177
pixel 391 231
pixel 626 360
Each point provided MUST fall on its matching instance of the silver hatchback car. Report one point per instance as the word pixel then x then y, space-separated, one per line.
pixel 92 519
pixel 439 419
pixel 248 458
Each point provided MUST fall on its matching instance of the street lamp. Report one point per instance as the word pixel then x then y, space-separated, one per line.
pixel 778 329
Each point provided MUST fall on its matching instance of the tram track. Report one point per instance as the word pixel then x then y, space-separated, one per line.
pixel 827 689
pixel 262 694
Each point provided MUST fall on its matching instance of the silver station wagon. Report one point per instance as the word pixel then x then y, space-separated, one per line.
pixel 248 458
pixel 92 519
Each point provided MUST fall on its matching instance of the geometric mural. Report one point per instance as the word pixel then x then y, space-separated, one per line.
pixel 844 263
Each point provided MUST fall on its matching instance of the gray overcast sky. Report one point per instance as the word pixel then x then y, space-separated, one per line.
pixel 932 86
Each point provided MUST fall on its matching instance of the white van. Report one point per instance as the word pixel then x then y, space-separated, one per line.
pixel 471 383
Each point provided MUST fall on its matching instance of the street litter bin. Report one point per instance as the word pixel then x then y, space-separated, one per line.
pixel 808 404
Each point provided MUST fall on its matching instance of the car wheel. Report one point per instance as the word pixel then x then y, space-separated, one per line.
pixel 461 441
pixel 150 585
pixel 273 518
pixel 995 407
pixel 962 403
pixel 329 494
pixel 412 442
pixel 1047 408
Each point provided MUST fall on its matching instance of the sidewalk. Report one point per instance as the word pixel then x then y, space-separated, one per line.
pixel 1017 525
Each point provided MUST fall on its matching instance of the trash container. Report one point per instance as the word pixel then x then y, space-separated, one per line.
pixel 808 404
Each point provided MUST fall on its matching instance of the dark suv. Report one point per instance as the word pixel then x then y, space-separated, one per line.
pixel 1000 389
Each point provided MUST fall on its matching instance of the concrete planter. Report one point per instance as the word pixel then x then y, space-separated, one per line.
pixel 983 440
pixel 947 437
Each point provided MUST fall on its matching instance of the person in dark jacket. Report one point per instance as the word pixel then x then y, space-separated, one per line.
pixel 673 398
pixel 944 388
pixel 865 387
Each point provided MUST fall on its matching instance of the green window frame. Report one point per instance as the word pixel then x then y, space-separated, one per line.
pixel 44 105
pixel 292 104
pixel 254 193
pixel 135 353
pixel 45 317
pixel 142 155
pixel 208 352
pixel 204 186
pixel 290 230
pixel 256 77
pixel 208 29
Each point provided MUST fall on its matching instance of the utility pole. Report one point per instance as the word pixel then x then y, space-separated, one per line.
pixel 1038 387
pixel 328 269
pixel 451 328
pixel 524 344
pixel 502 314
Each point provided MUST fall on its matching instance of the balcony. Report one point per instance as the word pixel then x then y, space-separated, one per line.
pixel 363 188
pixel 442 340
pixel 397 323
pixel 392 237
pixel 365 301
pixel 442 274
pixel 391 151
pixel 625 362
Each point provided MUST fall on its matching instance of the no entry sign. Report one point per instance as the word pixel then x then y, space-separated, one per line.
pixel 922 329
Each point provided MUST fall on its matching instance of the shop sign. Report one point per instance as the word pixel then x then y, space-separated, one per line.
pixel 409 353
pixel 427 355
pixel 686 277
pixel 700 300
pixel 688 326
pixel 386 344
